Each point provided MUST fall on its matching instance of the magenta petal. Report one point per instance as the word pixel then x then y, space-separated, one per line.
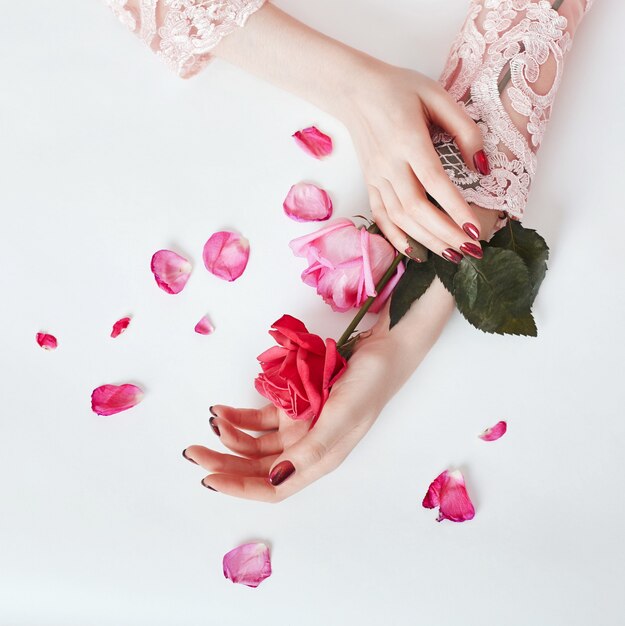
pixel 306 202
pixel 111 399
pixel 314 142
pixel 171 271
pixel 494 432
pixel 120 326
pixel 449 493
pixel 248 564
pixel 47 342
pixel 204 326
pixel 226 255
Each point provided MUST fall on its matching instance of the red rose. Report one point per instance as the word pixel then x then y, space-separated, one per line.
pixel 299 372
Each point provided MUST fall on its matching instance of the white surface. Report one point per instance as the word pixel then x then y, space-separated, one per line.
pixel 107 157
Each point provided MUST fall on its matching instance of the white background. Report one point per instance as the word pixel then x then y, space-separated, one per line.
pixel 107 157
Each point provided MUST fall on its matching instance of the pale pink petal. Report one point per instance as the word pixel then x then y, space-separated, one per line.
pixel 120 326
pixel 306 202
pixel 494 432
pixel 379 302
pixel 226 255
pixel 171 271
pixel 111 399
pixel 47 342
pixel 314 142
pixel 248 564
pixel 449 493
pixel 204 326
pixel 301 245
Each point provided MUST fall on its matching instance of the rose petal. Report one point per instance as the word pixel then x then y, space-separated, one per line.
pixel 204 326
pixel 171 271
pixel 226 255
pixel 120 326
pixel 248 564
pixel 47 342
pixel 494 432
pixel 449 493
pixel 314 142
pixel 306 202
pixel 111 399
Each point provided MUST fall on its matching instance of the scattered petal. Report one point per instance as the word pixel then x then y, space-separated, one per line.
pixel 449 493
pixel 171 271
pixel 306 202
pixel 47 342
pixel 111 399
pixel 248 564
pixel 226 255
pixel 204 326
pixel 120 326
pixel 494 432
pixel 314 142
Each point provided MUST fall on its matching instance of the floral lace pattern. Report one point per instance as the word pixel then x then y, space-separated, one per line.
pixel 516 47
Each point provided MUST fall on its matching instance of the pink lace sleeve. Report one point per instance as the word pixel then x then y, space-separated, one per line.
pixel 183 32
pixel 505 69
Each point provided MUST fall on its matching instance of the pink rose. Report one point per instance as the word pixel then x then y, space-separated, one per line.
pixel 345 263
pixel 299 372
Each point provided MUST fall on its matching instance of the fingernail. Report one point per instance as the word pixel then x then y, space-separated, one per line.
pixel 452 255
pixel 214 426
pixel 210 408
pixel 472 249
pixel 208 486
pixel 184 454
pixel 281 472
pixel 471 230
pixel 481 162
pixel 502 215
pixel 409 252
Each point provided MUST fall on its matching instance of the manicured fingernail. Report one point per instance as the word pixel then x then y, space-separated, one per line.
pixel 210 408
pixel 214 426
pixel 208 486
pixel 184 454
pixel 481 162
pixel 409 252
pixel 502 215
pixel 281 472
pixel 471 230
pixel 472 249
pixel 452 255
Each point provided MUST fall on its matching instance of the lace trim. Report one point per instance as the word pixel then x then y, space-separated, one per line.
pixel 125 15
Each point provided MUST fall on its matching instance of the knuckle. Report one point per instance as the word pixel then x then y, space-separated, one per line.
pixel 316 451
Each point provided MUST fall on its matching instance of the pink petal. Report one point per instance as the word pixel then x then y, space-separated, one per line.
pixel 248 564
pixel 494 432
pixel 306 202
pixel 111 399
pixel 47 342
pixel 449 493
pixel 226 255
pixel 120 326
pixel 171 271
pixel 314 142
pixel 204 326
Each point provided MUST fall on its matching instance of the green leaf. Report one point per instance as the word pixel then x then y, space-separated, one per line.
pixel 411 286
pixel 493 293
pixel 530 246
pixel 445 270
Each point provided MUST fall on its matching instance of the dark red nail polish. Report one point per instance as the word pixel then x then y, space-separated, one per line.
pixel 471 230
pixel 409 252
pixel 214 426
pixel 472 249
pixel 452 255
pixel 184 454
pixel 481 162
pixel 281 472
pixel 208 486
pixel 210 408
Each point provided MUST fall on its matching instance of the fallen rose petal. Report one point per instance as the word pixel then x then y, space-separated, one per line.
pixel 494 432
pixel 111 399
pixel 171 271
pixel 226 255
pixel 120 326
pixel 314 142
pixel 204 326
pixel 306 202
pixel 449 493
pixel 248 564
pixel 47 342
